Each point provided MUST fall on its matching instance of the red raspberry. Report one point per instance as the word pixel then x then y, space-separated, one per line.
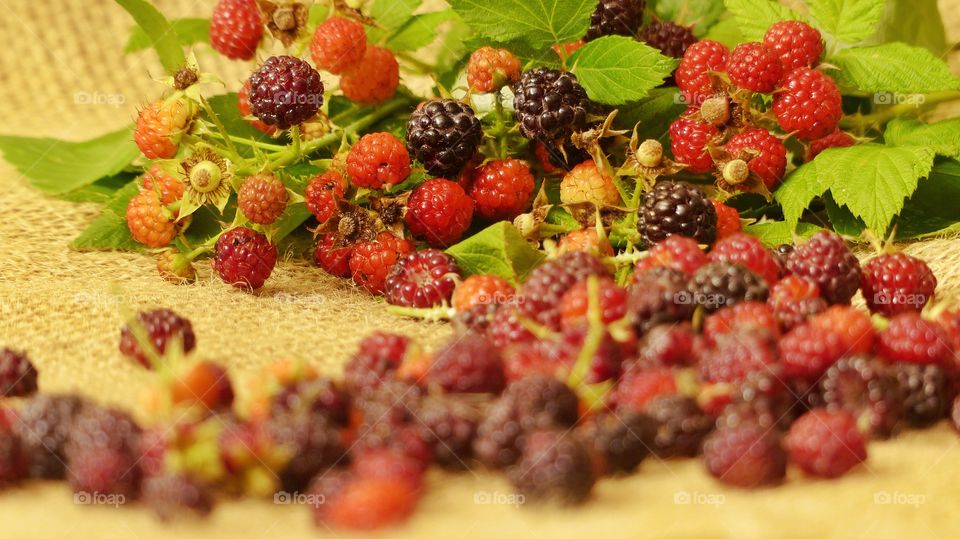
pixel 502 189
pixel 668 345
pixel 794 299
pixel 338 44
pixel 169 188
pixel 162 327
pixel 160 125
pixel 481 290
pixel 808 103
pixel 676 252
pixel 378 159
pixel 587 183
pixel 243 105
pixel 322 194
pixel 826 444
pixel 688 142
pixel 750 253
pixel 371 261
pixel 755 67
pixel 333 260
pixel 852 325
pixel 826 260
pixel 728 219
pixel 587 241
pixel 837 139
pixel 236 28
pixel 244 258
pixel 796 43
pixel 765 154
pixel 148 221
pixel 638 387
pixel 694 77
pixel 439 212
pixel 736 356
pixel 912 339
pixel 745 455
pixel 896 283
pixel 574 304
pixel 808 351
pixel 748 316
pixel 367 504
pixel 262 198
pixel 422 279
pixel 489 69
pixel 374 79
pixel 468 364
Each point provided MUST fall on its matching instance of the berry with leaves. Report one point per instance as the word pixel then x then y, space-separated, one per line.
pixel 796 43
pixel 807 103
pixel 550 105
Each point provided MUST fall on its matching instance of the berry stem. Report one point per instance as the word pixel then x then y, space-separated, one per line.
pixel 591 342
pixel 251 143
pixel 234 154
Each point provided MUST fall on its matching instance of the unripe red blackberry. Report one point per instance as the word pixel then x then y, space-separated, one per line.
pixel 826 260
pixel 161 327
pixel 262 198
pixel 677 208
pixel 285 91
pixel 669 38
pixel 615 18
pixel 443 134
pixel 719 284
pixel 550 104
pixel 244 258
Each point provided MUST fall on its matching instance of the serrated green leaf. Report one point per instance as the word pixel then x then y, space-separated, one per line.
pixel 57 166
pixel 158 31
pixel 188 32
pixel 701 14
pixel 849 21
pixel 618 69
pixel 873 180
pixel 914 22
pixel 843 221
pixel 653 114
pixel 100 191
pixel 392 14
pixel 727 31
pixel 499 250
pixel 798 191
pixel 756 16
pixel 943 137
pixel 775 233
pixel 893 67
pixel 541 23
pixel 933 208
pixel 109 231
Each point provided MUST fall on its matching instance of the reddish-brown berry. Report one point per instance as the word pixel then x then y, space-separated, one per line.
pixel 439 211
pixel 373 80
pixel 826 444
pixel 322 193
pixel 378 160
pixel 371 261
pixel 262 198
pixel 896 283
pixel 244 258
pixel 490 69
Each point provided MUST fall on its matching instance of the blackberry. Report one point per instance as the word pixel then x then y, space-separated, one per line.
pixel 162 327
pixel 746 455
pixel 387 421
pixel 18 376
pixel 544 289
pixel 668 37
pixel 826 260
pixel 677 208
pixel 468 364
pixel 550 105
pixel 719 284
pixel 443 134
pixel 102 451
pixel 450 427
pixel 422 279
pixel 174 496
pixel 44 426
pixel 869 389
pixel 761 398
pixel 554 467
pixel 313 396
pixel 378 356
pixel 285 91
pixel 312 443
pixel 476 319
pixel 681 426
pixel 620 440
pixel 927 393
pixel 615 18
pixel 659 296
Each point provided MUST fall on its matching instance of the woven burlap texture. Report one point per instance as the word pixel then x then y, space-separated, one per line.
pixel 65 76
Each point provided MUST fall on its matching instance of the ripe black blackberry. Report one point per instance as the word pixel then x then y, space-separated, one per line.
pixel 550 105
pixel 677 208
pixel 18 376
pixel 659 296
pixel 449 426
pixel 927 393
pixel 554 467
pixel 548 283
pixel 44 425
pixel 103 451
pixel 443 134
pixel 314 445
pixel 162 327
pixel 176 496
pixel 868 388
pixel 719 284
pixel 681 426
pixel 615 18
pixel 285 91
pixel 619 440
pixel 669 37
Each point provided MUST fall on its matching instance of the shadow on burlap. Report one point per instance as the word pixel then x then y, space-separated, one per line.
pixel 64 308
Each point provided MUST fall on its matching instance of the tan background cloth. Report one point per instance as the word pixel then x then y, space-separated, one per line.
pixel 61 306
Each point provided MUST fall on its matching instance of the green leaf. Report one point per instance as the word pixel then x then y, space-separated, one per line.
pixel 773 233
pixel 225 107
pixel 109 231
pixel 943 137
pixel 158 31
pixel 849 21
pixel 419 31
pixel 702 14
pixel 798 191
pixel 755 16
pixel 57 166
pixel 873 180
pixel 653 114
pixel 541 23
pixel 498 249
pixel 617 69
pixel 914 22
pixel 842 220
pixel 100 191
pixel 188 32
pixel 934 206
pixel 727 31
pixel 392 14
pixel 893 67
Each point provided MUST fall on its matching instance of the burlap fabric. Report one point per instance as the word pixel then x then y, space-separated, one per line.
pixel 64 75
